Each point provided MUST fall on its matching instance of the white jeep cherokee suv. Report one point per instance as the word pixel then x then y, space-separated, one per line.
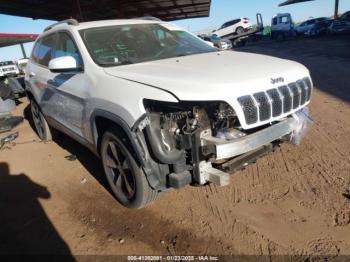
pixel 236 26
pixel 161 107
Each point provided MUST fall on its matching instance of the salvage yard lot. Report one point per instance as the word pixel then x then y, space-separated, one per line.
pixel 290 202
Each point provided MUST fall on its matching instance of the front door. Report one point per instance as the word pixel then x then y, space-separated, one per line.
pixel 66 91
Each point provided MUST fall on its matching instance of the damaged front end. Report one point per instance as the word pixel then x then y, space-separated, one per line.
pixel 200 142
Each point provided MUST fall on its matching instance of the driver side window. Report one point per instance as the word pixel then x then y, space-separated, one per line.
pixel 66 47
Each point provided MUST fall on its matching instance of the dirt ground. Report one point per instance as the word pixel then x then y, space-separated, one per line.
pixel 289 203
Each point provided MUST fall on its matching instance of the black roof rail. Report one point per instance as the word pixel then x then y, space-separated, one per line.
pixel 152 18
pixel 67 21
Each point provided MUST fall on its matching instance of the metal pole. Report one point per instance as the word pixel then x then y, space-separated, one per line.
pixel 336 9
pixel 78 8
pixel 23 50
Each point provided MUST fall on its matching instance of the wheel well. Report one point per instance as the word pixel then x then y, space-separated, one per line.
pixel 30 95
pixel 102 124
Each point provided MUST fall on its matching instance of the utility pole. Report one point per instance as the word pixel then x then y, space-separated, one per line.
pixel 336 9
pixel 79 13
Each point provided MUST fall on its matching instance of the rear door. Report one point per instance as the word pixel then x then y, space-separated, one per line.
pixel 222 30
pixel 38 73
pixel 310 25
pixel 232 26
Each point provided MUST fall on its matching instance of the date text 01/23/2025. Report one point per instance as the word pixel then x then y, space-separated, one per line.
pixel 173 258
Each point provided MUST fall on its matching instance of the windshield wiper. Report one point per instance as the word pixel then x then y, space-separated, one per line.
pixel 125 62
pixel 194 53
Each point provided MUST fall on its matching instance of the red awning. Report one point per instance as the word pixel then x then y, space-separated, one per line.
pixel 8 39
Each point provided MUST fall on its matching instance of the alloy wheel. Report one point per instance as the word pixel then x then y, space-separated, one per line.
pixel 119 173
pixel 38 120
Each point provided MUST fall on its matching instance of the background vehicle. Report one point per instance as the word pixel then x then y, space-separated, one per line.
pixel 237 26
pixel 160 106
pixel 308 25
pixel 320 28
pixel 8 68
pixel 222 44
pixel 240 39
pixel 282 26
pixel 346 15
pixel 340 26
pixel 21 64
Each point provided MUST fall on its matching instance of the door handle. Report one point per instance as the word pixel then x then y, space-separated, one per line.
pixel 31 74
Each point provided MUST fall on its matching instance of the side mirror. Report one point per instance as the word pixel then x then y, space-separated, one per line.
pixel 63 64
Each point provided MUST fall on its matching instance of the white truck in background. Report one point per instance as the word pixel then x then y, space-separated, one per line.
pixel 282 26
pixel 8 68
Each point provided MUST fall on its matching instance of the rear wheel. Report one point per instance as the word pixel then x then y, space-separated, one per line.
pixel 239 30
pixel 41 126
pixel 126 179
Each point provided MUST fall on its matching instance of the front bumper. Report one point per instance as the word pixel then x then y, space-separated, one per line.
pixel 292 129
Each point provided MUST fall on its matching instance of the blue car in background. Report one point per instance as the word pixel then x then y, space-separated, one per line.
pixel 341 25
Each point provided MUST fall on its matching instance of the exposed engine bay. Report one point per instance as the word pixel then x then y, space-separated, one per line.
pixel 202 142
pixel 174 133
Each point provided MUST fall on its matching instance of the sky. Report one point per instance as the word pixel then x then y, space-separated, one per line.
pixel 221 11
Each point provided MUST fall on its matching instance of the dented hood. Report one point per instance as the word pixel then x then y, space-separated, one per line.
pixel 212 76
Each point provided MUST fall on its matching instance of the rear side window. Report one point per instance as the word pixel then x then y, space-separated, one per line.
pixel 224 26
pixel 233 22
pixel 66 47
pixel 45 49
pixel 274 21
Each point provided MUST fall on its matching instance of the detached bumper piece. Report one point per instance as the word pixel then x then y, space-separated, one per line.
pixel 231 156
pixel 229 149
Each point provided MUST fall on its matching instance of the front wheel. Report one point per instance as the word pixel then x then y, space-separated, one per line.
pixel 41 126
pixel 126 179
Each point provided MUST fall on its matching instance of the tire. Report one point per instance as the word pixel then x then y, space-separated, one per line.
pixel 280 37
pixel 41 126
pixel 239 30
pixel 126 179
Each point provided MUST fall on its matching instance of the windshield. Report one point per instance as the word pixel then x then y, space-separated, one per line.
pixel 129 44
pixel 6 63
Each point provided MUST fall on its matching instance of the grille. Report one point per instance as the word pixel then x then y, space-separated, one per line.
pixel 262 106
pixel 287 98
pixel 296 95
pixel 249 109
pixel 8 69
pixel 309 88
pixel 303 91
pixel 276 102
